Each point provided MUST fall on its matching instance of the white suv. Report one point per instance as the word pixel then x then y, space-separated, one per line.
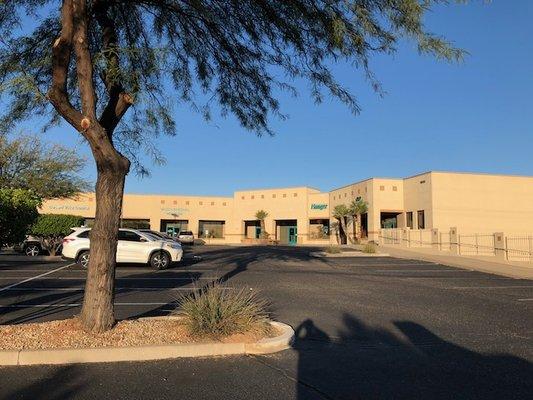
pixel 132 247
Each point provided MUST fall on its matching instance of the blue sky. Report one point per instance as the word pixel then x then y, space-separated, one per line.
pixel 476 116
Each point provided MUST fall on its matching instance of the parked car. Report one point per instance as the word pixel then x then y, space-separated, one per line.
pixel 133 247
pixel 186 237
pixel 32 246
pixel 161 235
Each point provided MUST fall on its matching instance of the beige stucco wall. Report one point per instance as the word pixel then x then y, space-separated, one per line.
pixel 478 203
pixel 418 196
pixel 474 203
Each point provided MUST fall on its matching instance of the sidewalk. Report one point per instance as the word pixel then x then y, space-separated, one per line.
pixel 483 264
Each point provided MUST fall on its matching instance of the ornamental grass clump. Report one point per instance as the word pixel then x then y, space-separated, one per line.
pixel 370 248
pixel 217 310
pixel 332 250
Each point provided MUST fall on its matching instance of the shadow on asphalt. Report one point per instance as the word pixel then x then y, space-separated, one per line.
pixel 61 383
pixel 368 363
pixel 239 258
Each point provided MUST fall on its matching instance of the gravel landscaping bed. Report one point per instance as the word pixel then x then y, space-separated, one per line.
pixel 69 334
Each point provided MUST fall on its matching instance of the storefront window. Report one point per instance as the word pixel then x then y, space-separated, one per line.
pixel 211 229
pixel 173 227
pixel 410 219
pixel 318 229
pixel 421 220
pixel 135 223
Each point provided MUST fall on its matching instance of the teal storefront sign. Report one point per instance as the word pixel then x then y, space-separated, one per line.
pixel 319 206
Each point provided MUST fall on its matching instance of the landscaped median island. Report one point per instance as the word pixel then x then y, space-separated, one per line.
pixel 369 249
pixel 212 321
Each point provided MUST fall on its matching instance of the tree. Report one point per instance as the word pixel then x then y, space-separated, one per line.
pixel 52 228
pixel 261 216
pixel 18 210
pixel 50 171
pixel 107 67
pixel 334 226
pixel 341 213
pixel 357 208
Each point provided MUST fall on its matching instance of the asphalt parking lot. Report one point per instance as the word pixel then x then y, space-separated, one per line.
pixel 367 328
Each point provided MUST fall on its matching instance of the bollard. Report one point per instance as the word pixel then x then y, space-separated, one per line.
pixel 499 246
pixel 454 244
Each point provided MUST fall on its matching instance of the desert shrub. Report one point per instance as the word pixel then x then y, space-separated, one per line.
pixel 370 248
pixel 217 310
pixel 18 210
pixel 52 228
pixel 332 250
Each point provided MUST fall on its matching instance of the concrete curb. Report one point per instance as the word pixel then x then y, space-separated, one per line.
pixel 347 254
pixel 22 258
pixel 146 353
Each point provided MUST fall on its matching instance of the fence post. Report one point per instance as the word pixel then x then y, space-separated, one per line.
pixel 435 238
pixel 454 244
pixel 407 237
pixel 499 246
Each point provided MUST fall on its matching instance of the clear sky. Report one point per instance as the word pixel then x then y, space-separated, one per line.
pixel 476 116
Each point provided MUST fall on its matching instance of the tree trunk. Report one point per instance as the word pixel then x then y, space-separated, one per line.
pixel 97 314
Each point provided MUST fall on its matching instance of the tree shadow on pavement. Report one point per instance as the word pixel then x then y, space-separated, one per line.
pixel 60 383
pixel 363 362
pixel 20 311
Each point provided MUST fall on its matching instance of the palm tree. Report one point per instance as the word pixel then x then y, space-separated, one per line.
pixel 261 216
pixel 356 209
pixel 341 214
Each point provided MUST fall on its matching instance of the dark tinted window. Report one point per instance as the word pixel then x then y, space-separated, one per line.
pixel 128 236
pixel 157 234
pixel 84 234
pixel 421 219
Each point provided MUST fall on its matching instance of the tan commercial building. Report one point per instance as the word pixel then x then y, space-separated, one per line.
pixel 303 215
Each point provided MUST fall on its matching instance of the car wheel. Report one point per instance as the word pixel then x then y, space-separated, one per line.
pixel 32 250
pixel 159 260
pixel 83 259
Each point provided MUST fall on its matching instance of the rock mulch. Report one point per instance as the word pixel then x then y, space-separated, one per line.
pixel 69 334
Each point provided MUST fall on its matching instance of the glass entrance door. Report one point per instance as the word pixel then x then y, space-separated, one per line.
pixel 293 235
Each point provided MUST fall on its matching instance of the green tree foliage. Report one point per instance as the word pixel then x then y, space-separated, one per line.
pixel 231 51
pixel 18 210
pixel 50 171
pixel 52 228
pixel 115 70
pixel 261 215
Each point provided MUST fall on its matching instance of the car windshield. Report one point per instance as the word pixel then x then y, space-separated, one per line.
pixel 156 234
pixel 151 236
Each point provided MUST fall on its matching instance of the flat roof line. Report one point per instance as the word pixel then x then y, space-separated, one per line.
pixel 433 172
pixel 472 173
pixel 279 188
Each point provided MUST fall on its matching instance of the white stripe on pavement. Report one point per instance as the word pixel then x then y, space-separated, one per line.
pixel 77 305
pixel 34 277
pixel 420 270
pixel 64 278
pixel 488 287
pixel 77 289
pixel 525 299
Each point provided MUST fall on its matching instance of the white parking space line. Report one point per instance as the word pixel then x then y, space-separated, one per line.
pixel 77 305
pixel 7 271
pixel 66 278
pixel 420 270
pixel 525 299
pixel 33 277
pixel 489 287
pixel 79 289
